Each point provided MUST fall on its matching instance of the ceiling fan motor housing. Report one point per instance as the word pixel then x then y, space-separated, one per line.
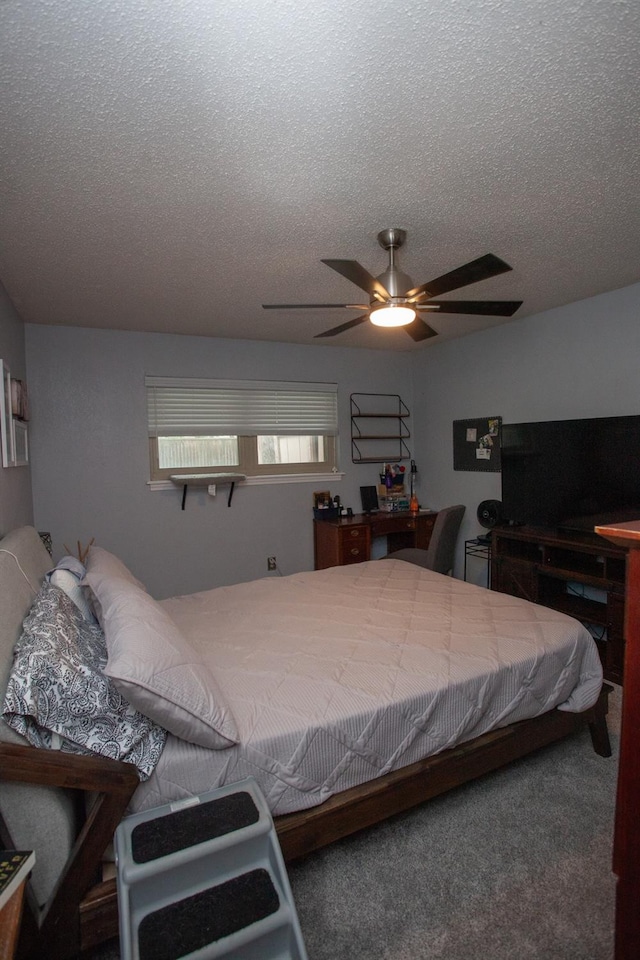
pixel 395 282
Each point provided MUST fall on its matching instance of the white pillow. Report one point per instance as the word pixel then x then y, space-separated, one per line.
pixel 67 576
pixel 69 582
pixel 100 564
pixel 155 667
pixel 103 563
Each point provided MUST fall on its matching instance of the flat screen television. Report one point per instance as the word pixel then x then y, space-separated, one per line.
pixel 571 474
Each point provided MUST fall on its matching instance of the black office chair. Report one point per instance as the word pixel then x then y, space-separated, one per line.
pixel 440 554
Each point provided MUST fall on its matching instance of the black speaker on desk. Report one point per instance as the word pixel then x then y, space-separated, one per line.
pixel 369 497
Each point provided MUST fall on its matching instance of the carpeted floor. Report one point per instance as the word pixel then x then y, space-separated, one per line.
pixel 516 865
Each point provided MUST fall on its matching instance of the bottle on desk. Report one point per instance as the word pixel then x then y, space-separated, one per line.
pixel 413 502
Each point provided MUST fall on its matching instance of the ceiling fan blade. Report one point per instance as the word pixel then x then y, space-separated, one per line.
pixel 480 269
pixel 355 272
pixel 314 306
pixel 419 330
pixel 343 326
pixel 484 308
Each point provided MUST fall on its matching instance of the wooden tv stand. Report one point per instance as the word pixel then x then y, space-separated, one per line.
pixel 579 574
pixel 348 539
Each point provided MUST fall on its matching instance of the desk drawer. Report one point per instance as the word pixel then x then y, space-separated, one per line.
pixel 354 545
pixel 381 527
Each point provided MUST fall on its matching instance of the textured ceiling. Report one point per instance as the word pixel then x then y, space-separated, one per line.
pixel 170 166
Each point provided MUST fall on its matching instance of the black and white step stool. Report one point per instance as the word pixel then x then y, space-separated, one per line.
pixel 205 878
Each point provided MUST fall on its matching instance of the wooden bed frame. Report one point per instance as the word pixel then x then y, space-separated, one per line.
pixel 82 911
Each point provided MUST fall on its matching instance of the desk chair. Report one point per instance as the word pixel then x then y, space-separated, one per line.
pixel 439 555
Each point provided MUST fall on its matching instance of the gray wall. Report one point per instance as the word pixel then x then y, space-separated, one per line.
pixel 581 360
pixel 89 449
pixel 16 507
pixel 90 460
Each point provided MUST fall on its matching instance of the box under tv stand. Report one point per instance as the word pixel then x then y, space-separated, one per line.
pixel 577 574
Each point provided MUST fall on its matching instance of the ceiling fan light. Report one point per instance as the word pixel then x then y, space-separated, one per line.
pixel 392 315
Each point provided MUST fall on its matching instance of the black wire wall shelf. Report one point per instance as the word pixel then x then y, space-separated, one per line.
pixel 379 428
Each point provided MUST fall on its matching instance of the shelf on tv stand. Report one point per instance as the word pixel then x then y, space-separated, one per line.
pixel 553 568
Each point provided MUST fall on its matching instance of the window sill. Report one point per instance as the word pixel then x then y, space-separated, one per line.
pixel 258 481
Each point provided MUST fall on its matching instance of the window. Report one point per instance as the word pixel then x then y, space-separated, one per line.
pixel 259 428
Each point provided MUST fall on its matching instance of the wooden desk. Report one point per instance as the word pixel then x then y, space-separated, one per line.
pixel 626 847
pixel 348 539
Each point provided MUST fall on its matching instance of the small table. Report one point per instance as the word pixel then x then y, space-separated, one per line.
pixel 10 917
pixel 481 548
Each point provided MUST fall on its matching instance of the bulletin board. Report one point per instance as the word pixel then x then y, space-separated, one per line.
pixel 476 444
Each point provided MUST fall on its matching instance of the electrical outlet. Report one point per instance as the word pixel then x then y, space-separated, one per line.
pixel 271 563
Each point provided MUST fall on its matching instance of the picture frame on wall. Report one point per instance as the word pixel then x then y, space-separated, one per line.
pixel 5 416
pixel 19 399
pixel 20 444
pixel 14 431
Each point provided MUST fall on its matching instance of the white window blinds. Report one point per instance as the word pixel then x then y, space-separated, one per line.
pixel 180 407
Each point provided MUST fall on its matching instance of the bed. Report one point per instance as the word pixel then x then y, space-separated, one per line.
pixel 349 694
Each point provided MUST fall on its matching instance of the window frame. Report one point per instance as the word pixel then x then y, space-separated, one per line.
pixel 249 466
pixel 247 444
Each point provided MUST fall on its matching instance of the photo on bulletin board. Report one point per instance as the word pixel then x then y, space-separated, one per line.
pixel 476 444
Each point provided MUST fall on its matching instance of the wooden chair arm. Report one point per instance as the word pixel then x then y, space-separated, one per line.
pixel 114 783
pixel 56 769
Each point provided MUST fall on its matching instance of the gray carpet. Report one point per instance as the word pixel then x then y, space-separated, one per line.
pixel 516 865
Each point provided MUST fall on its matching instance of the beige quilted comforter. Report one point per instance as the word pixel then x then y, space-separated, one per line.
pixel 338 676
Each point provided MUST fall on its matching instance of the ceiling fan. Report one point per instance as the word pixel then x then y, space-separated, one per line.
pixel 394 301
